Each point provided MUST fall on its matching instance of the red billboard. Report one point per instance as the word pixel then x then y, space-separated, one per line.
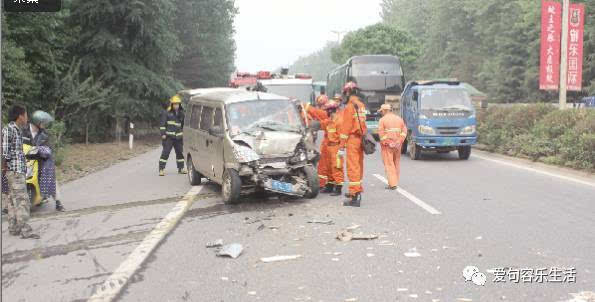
pixel 576 21
pixel 551 32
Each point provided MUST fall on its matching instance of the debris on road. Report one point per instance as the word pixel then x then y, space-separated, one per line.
pixel 252 293
pixel 335 259
pixel 370 255
pixel 261 227
pixel 317 221
pixel 280 258
pixel 412 253
pixel 353 227
pixel 402 289
pixel 386 243
pixel 347 235
pixel 224 279
pixel 478 238
pixel 414 296
pixel 351 300
pixel 216 243
pixel 274 227
pixel 233 250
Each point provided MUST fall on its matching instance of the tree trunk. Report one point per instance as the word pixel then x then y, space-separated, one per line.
pixel 87 134
pixel 118 131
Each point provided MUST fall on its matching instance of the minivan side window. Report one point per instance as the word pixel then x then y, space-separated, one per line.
pixel 218 118
pixel 206 118
pixel 195 118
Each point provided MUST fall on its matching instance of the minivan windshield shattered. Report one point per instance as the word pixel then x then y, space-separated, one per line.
pixel 263 115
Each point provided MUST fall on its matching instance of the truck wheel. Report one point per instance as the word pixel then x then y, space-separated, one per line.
pixel 231 187
pixel 464 152
pixel 415 152
pixel 404 147
pixel 313 182
pixel 194 177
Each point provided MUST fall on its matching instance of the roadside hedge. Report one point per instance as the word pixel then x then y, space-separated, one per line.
pixel 541 132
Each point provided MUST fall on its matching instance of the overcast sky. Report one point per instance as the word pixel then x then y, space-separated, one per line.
pixel 274 33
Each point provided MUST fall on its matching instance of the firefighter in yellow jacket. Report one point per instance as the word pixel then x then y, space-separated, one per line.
pixel 171 127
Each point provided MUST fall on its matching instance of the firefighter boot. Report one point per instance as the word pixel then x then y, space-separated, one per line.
pixel 356 200
pixel 161 172
pixel 337 191
pixel 328 188
pixel 182 171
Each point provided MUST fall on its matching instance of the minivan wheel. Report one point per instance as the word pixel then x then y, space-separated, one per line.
pixel 313 182
pixel 231 187
pixel 194 177
pixel 415 151
pixel 464 152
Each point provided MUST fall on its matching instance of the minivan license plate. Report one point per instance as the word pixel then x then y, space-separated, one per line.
pixel 281 186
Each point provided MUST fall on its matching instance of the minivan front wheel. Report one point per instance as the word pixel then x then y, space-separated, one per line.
pixel 231 187
pixel 313 182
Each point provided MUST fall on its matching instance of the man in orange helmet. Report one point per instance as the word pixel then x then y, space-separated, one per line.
pixel 351 133
pixel 392 132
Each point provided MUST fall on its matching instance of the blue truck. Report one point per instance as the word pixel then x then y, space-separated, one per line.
pixel 440 118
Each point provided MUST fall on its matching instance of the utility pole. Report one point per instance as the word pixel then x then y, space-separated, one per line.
pixel 564 54
pixel 338 33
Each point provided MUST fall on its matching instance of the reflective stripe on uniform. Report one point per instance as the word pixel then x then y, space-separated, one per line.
pixel 180 160
pixel 163 160
pixel 353 184
pixel 174 123
pixel 331 130
pixel 322 176
pixel 384 137
pixel 338 161
pixel 343 136
pixel 403 134
pixel 179 134
pixel 393 130
pixel 170 133
pixel 161 128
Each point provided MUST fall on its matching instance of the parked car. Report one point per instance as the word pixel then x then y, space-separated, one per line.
pixel 248 142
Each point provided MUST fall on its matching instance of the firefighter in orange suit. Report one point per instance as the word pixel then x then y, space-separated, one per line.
pixel 334 160
pixel 392 132
pixel 323 173
pixel 351 133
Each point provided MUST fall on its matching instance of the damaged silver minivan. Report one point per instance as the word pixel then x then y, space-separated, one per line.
pixel 249 142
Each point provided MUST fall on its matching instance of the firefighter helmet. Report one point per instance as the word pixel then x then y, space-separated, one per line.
pixel 331 105
pixel 321 100
pixel 349 88
pixel 175 99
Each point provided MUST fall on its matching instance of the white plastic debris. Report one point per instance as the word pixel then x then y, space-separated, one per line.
pixel 321 221
pixel 335 259
pixel 412 253
pixel 351 300
pixel 414 296
pixel 402 289
pixel 370 255
pixel 252 293
pixel 478 238
pixel 233 250
pixel 280 258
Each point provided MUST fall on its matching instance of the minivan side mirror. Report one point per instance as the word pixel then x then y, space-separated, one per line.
pixel 216 131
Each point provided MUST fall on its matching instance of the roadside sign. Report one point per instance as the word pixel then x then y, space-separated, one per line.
pixel 576 21
pixel 551 28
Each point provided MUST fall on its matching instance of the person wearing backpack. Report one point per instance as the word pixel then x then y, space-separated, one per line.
pixel 392 132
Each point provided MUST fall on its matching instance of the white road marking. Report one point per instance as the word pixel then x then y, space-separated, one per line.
pixel 111 288
pixel 568 178
pixel 411 197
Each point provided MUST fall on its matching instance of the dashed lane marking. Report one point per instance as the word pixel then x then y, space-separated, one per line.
pixel 112 287
pixel 411 197
pixel 502 162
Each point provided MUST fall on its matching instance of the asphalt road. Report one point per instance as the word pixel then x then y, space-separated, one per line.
pixel 473 213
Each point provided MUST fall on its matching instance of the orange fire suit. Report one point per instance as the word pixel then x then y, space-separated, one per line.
pixel 321 116
pixel 392 130
pixel 352 131
pixel 335 162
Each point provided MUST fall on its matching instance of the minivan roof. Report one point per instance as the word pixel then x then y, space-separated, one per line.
pixel 229 96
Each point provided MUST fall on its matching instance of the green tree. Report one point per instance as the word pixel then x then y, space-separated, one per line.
pixel 378 39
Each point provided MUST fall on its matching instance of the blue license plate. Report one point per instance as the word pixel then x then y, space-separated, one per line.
pixel 282 186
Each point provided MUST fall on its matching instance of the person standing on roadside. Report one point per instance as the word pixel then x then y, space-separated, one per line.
pixel 15 169
pixel 172 126
pixel 392 132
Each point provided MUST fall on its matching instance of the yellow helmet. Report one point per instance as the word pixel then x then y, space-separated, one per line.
pixel 175 99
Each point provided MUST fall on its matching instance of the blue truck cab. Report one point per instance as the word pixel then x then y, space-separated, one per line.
pixel 440 118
